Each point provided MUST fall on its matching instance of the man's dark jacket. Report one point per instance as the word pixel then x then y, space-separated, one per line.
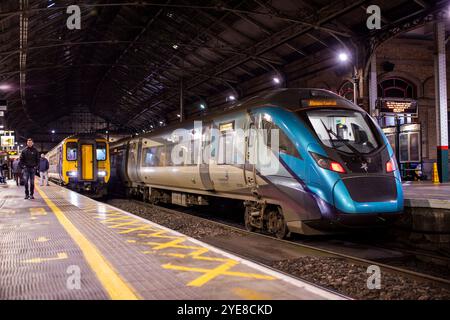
pixel 29 158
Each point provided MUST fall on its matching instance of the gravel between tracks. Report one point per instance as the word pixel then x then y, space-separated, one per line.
pixel 334 273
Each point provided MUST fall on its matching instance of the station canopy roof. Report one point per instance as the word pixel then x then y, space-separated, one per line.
pixel 125 63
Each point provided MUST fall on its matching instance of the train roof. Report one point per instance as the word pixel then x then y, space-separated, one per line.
pixel 292 99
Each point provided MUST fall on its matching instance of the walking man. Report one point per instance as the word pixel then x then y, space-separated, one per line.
pixel 17 171
pixel 43 170
pixel 29 161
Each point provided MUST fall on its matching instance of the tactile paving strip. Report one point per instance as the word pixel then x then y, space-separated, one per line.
pixel 39 260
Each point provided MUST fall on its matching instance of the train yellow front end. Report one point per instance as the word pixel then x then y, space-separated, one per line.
pixel 81 163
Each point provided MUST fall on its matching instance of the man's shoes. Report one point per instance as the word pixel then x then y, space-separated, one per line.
pixel 31 197
pixel 26 197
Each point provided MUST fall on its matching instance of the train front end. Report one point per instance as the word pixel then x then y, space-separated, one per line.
pixel 87 166
pixel 352 168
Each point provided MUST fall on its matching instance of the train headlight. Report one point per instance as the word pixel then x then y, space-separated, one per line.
pixel 102 173
pixel 327 163
pixel 72 173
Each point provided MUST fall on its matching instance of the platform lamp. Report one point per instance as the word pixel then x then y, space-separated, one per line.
pixel 344 57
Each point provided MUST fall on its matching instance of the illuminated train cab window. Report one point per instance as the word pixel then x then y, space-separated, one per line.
pixel 344 130
pixel 72 151
pixel 101 152
pixel 286 146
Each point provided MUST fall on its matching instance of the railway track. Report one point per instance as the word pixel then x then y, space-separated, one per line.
pixel 301 249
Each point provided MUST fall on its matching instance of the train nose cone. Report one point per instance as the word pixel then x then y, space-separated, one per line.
pixel 368 194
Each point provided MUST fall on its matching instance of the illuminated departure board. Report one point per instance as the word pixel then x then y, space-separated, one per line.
pixel 399 106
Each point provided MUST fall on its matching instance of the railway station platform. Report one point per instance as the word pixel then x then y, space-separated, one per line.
pixel 63 245
pixel 427 208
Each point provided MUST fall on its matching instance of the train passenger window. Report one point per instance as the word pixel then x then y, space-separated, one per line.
pixel 72 151
pixel 285 144
pixel 101 151
pixel 168 153
pixel 151 157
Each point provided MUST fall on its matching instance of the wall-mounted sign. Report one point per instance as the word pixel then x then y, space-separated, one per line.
pixel 397 106
pixel 7 141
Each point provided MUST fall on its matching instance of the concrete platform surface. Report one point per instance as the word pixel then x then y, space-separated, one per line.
pixel 63 245
pixel 427 194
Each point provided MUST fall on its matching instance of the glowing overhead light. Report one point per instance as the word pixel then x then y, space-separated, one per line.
pixel 107 131
pixel 5 87
pixel 178 115
pixel 175 46
pixel 161 122
pixel 231 97
pixel 53 131
pixel 51 5
pixel 202 106
pixel 151 126
pixel 2 126
pixel 276 80
pixel 343 57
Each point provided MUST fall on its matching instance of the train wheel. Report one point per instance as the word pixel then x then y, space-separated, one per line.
pixel 276 223
pixel 247 220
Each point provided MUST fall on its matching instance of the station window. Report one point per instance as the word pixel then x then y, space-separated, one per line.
pixel 101 151
pixel 346 90
pixel 396 88
pixel 72 151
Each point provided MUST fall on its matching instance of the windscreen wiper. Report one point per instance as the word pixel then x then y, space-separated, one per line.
pixel 352 148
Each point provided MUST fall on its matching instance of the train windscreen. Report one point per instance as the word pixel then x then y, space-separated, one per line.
pixel 348 131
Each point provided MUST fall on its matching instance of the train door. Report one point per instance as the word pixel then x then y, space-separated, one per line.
pixel 87 161
pixel 133 162
pixel 204 163
pixel 227 154
pixel 249 153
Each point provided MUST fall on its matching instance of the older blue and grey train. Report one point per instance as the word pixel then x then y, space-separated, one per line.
pixel 330 168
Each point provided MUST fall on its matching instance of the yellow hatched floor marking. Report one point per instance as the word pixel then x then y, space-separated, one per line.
pixel 114 285
pixel 125 224
pixel 210 274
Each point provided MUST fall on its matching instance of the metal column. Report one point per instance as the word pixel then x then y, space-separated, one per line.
pixel 441 101
pixel 181 100
pixel 373 84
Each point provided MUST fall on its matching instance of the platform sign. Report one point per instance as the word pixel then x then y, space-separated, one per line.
pixel 3 105
pixel 7 141
pixel 397 106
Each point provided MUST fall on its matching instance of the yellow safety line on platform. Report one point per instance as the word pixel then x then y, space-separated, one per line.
pixel 116 287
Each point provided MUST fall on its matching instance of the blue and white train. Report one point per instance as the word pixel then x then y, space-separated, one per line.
pixel 332 168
